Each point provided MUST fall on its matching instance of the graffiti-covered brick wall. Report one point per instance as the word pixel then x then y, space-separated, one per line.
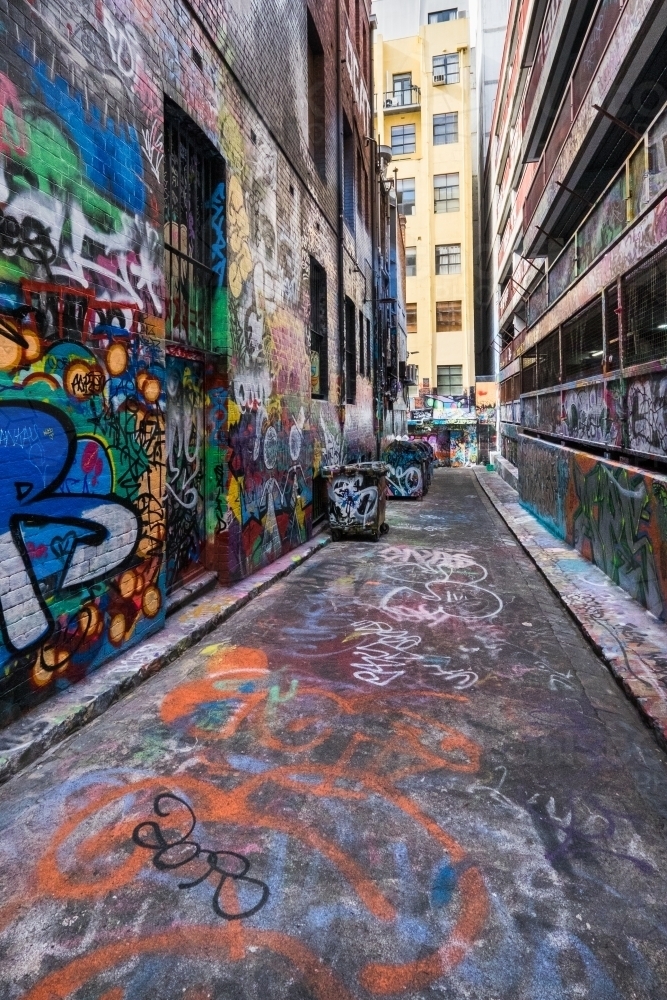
pixel 130 456
pixel 615 515
pixel 82 407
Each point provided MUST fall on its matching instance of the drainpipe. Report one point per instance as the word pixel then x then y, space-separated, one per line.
pixel 341 221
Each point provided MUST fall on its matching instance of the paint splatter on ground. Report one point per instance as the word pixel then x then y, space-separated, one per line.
pixel 399 773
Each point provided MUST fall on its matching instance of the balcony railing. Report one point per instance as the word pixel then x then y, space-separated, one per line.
pixel 599 35
pixel 398 100
pixel 640 181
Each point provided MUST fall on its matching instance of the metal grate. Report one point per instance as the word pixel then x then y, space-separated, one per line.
pixel 583 349
pixel 319 370
pixel 645 312
pixel 548 361
pixel 529 371
pixel 193 173
pixel 612 329
pixel 350 351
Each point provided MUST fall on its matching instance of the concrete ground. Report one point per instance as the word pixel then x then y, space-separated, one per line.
pixel 401 772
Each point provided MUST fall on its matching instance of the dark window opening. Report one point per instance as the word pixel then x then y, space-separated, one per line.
pixel 529 371
pixel 612 329
pixel 350 351
pixel 582 346
pixel 443 15
pixel 194 224
pixel 548 361
pixel 645 310
pixel 369 360
pixel 316 98
pixel 362 351
pixel 319 373
pixel 348 174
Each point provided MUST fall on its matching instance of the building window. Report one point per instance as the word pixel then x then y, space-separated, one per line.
pixel 349 161
pixel 411 317
pixel 443 15
pixel 405 196
pixel 446 69
pixel 446 188
pixel 194 260
pixel 445 129
pixel 316 98
pixel 411 262
pixel 402 89
pixel 448 258
pixel 403 139
pixel 350 351
pixel 369 368
pixel 448 317
pixel 362 351
pixel 450 380
pixel 318 330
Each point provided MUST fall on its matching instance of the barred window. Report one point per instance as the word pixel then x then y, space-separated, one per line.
pixel 548 361
pixel 645 294
pixel 350 351
pixel 445 128
pixel 194 224
pixel 448 316
pixel 318 330
pixel 403 139
pixel 448 258
pixel 583 351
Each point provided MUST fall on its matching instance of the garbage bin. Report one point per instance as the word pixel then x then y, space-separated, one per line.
pixel 407 474
pixel 357 499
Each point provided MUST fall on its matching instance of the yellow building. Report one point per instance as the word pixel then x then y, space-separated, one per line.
pixel 423 108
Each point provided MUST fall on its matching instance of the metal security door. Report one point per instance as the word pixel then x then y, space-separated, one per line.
pixel 185 456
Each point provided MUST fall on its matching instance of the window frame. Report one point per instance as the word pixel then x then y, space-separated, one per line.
pixel 400 204
pixel 452 250
pixel 412 253
pixel 411 314
pixel 434 16
pixel 448 390
pixel 453 307
pixel 451 202
pixel 448 60
pixel 319 330
pixel 403 151
pixel 443 121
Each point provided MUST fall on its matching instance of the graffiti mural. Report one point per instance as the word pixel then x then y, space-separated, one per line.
pixel 614 515
pixel 406 469
pixel 185 460
pixel 81 365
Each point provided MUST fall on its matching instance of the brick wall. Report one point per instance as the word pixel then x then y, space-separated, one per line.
pixel 114 441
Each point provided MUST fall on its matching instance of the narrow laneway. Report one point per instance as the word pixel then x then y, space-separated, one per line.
pixel 401 772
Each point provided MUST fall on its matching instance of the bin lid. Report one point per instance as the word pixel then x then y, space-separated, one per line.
pixel 376 468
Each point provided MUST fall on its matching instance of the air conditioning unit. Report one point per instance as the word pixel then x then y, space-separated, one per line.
pixel 439 78
pixel 392 102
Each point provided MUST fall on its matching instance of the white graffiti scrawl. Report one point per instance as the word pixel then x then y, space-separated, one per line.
pixel 434 585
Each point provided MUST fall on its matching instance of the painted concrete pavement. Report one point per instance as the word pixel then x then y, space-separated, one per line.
pixel 400 773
